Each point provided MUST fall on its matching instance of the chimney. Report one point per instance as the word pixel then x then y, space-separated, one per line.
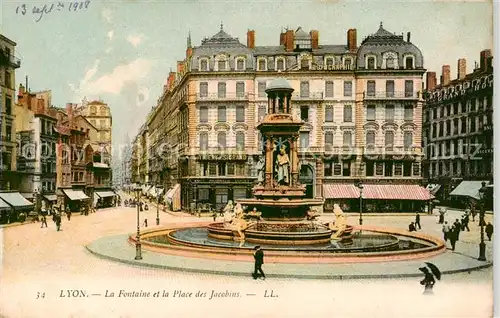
pixel 251 39
pixel 40 106
pixel 282 38
pixel 170 80
pixel 289 41
pixel 445 77
pixel 180 67
pixel 483 62
pixel 408 35
pixel 314 39
pixel 351 40
pixel 189 52
pixel 461 68
pixel 21 90
pixel 431 81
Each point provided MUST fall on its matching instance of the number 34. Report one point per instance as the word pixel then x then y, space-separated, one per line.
pixel 40 295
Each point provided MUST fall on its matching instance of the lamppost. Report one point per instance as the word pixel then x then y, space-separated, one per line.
pixel 138 252
pixel 360 186
pixel 482 245
pixel 158 191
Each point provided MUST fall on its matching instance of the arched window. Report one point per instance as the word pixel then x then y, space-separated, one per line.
pixel 240 64
pixel 261 64
pixel 329 63
pixel 347 139
pixel 347 64
pixel 240 140
pixel 280 64
pixel 221 140
pixel 203 140
pixel 409 62
pixel 370 63
pixel 103 111
pixel 370 139
pixel 221 64
pixel 389 62
pixel 204 65
pixel 93 110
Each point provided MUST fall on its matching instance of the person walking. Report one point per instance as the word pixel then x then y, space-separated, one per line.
pixel 417 221
pixel 145 222
pixel 457 227
pixel 473 213
pixel 44 221
pixel 58 222
pixel 453 236
pixel 489 230
pixel 258 256
pixel 68 214
pixel 465 223
pixel 214 216
pixel 446 231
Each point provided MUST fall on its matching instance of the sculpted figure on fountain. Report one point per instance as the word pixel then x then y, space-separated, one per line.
pixel 261 169
pixel 282 167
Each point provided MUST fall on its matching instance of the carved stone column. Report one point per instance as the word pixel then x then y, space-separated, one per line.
pixel 285 103
pixel 295 159
pixel 269 161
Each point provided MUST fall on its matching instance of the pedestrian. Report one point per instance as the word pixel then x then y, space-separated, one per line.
pixel 145 222
pixel 474 213
pixel 489 230
pixel 68 214
pixel 453 236
pixel 465 223
pixel 58 222
pixel 457 227
pixel 258 256
pixel 411 227
pixel 44 221
pixel 417 221
pixel 214 216
pixel 446 230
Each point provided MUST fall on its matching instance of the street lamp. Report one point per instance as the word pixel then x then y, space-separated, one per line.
pixel 138 252
pixel 482 245
pixel 158 191
pixel 360 186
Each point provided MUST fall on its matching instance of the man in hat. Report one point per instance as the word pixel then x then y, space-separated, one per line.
pixel 258 256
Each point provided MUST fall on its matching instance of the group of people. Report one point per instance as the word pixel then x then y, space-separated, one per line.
pixel 413 225
pixel 452 232
pixel 134 202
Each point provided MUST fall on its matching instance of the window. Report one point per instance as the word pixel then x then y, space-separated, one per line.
pixel 346 168
pixel 370 139
pixel 280 64
pixel 388 168
pixel 240 114
pixel 328 169
pixel 347 88
pixel 389 62
pixel 463 125
pixel 221 90
pixel 304 64
pixel 240 89
pixel 329 89
pixel 304 113
pixel 93 110
pixel 103 111
pixel 204 65
pixel 240 140
pixel 262 89
pixel 221 168
pixel 441 129
pixel 221 113
pixel 328 140
pixel 329 114
pixel 389 113
pixel 389 88
pixel 347 63
pixel 304 89
pixel 464 107
pixel 221 140
pixel 455 108
pixel 448 127
pixel 329 63
pixel 221 65
pixel 408 140
pixel 203 141
pixel 371 63
pixel 370 113
pixel 347 113
pixel 409 88
pixel 240 64
pixel 473 124
pixel 262 112
pixel 304 139
pixel 8 79
pixel 455 126
pixel 102 123
pixel 370 88
pixel 408 113
pixel 448 110
pixel 8 105
pixel 8 132
pixel 203 89
pixel 389 140
pixel 407 169
pixel 409 62
pixel 347 141
pixel 370 168
pixel 262 65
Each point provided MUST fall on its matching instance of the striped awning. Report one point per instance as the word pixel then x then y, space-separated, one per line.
pixel 16 200
pixel 340 191
pixel 396 192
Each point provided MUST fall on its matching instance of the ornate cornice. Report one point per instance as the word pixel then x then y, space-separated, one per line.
pixel 389 126
pixel 204 126
pixel 240 126
pixel 222 126
pixel 409 126
pixel 371 125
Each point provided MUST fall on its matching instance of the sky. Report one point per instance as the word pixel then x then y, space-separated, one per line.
pixel 121 51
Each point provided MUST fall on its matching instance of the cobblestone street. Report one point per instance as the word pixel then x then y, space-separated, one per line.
pixel 44 263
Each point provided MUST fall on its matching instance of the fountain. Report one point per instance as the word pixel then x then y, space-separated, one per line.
pixel 280 213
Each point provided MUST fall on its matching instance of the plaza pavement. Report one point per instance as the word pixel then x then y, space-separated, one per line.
pixel 36 260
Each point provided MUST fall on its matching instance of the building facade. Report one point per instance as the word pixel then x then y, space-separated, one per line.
pixel 361 107
pixel 458 125
pixel 8 65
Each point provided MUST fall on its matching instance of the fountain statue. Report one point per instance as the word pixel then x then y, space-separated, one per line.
pixel 285 215
pixel 340 224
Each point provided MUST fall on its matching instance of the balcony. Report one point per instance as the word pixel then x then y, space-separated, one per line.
pixel 383 95
pixel 9 60
pixel 308 96
pixel 222 97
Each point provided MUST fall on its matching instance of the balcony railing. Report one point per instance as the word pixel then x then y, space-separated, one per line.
pixel 308 96
pixel 10 60
pixel 218 97
pixel 391 95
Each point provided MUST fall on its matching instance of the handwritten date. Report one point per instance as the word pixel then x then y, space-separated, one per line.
pixel 40 11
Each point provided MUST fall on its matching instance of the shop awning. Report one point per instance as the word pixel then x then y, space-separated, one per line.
pixel 340 191
pixel 468 189
pixel 105 194
pixel 100 165
pixel 152 191
pixel 433 188
pixel 50 197
pixel 27 195
pixel 396 192
pixel 16 200
pixel 75 195
pixel 4 206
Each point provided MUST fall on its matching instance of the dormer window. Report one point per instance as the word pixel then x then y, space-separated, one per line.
pixel 409 62
pixel 347 63
pixel 204 65
pixel 240 64
pixel 389 62
pixel 370 63
pixel 329 63
pixel 261 65
pixel 280 64
pixel 221 65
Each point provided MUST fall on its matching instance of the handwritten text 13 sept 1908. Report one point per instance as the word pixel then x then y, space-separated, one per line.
pixel 39 11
